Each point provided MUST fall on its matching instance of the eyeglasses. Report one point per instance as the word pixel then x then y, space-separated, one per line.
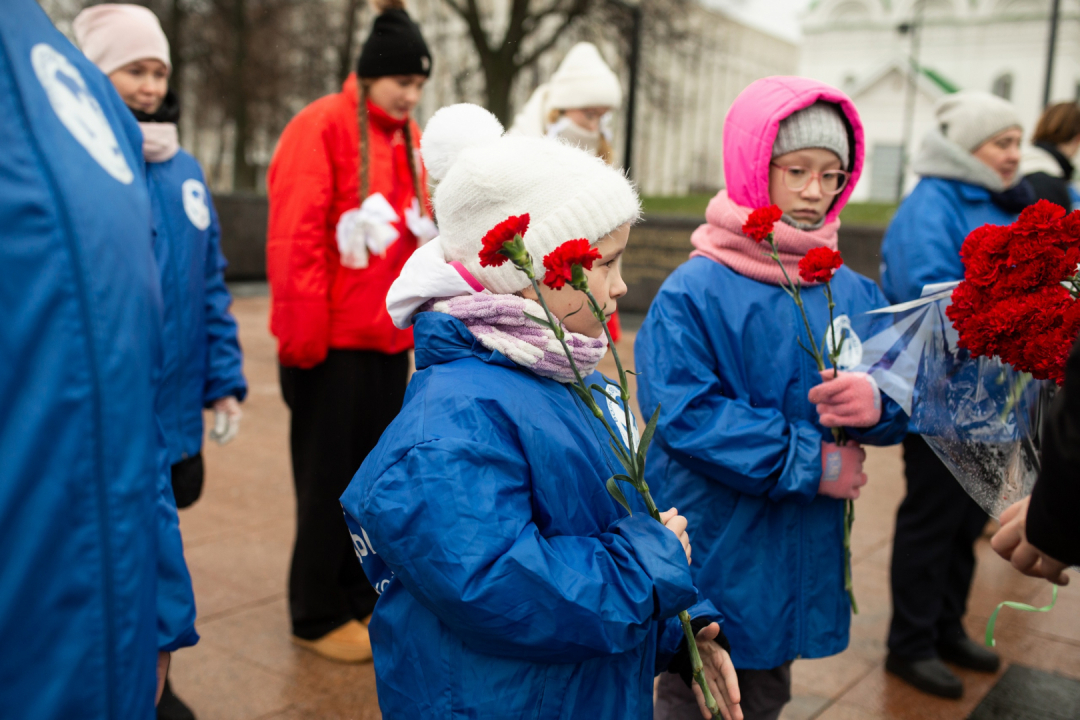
pixel 797 178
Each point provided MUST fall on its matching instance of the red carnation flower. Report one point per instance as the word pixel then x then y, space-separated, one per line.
pixel 819 264
pixel 1042 217
pixel 491 254
pixel 759 225
pixel 561 261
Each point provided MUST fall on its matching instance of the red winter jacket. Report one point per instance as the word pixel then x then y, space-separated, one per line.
pixel 318 304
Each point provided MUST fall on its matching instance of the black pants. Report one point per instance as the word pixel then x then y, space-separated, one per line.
pixel 187 480
pixel 933 555
pixel 339 410
pixel 764 693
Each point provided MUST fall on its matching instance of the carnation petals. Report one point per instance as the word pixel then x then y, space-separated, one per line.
pixel 491 254
pixel 760 224
pixel 819 265
pixel 561 261
pixel 1011 303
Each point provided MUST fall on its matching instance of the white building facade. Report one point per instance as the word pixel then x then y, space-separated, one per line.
pixel 998 46
pixel 683 95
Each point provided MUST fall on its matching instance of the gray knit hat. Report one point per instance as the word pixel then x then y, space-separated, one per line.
pixel 817 126
pixel 971 117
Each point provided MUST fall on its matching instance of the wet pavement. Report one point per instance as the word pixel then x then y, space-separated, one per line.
pixel 238 540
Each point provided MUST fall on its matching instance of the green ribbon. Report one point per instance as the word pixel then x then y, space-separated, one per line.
pixel 1015 606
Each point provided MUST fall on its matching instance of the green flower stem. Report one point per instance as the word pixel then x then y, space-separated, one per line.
pixel 636 469
pixel 796 295
pixel 834 351
pixel 638 475
pixel 849 521
pixel 624 385
pixel 839 436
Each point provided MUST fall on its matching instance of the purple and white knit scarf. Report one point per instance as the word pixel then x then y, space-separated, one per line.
pixel 499 322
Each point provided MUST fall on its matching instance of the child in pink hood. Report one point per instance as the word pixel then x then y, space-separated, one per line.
pixel 743 446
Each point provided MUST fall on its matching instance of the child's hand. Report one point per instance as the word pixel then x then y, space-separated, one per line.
pixel 719 674
pixel 847 400
pixel 842 470
pixel 676 523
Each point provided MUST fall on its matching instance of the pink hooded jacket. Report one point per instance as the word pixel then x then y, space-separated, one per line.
pixel 749 132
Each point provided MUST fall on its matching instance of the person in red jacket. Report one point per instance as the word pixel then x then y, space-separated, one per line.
pixel 348 206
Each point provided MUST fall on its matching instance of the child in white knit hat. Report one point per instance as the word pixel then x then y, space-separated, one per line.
pixel 512 584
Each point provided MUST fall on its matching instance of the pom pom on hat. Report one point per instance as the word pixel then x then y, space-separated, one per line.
pixel 485 178
pixel 451 130
pixel 584 80
pixel 114 35
pixel 971 117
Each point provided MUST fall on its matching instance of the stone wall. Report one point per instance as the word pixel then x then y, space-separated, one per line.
pixel 657 246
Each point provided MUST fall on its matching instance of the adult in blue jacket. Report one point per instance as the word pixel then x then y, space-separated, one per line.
pixel 512 584
pixel 968 167
pixel 202 364
pixel 93 586
pixel 739 444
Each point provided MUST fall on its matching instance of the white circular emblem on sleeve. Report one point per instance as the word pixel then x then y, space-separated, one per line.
pixel 195 203
pixel 78 110
pixel 618 414
pixel 851 349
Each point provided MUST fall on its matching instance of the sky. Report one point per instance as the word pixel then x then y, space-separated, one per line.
pixel 778 17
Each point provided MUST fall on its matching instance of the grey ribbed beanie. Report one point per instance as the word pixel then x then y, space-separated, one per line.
pixel 817 126
pixel 971 117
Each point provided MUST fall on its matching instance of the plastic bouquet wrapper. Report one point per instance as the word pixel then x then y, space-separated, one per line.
pixel 979 415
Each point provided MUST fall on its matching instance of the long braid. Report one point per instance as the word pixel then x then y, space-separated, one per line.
pixel 414 172
pixel 365 152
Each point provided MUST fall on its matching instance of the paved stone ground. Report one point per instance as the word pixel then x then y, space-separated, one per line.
pixel 239 536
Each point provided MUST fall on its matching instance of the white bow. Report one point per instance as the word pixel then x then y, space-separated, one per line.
pixel 368 228
pixel 421 226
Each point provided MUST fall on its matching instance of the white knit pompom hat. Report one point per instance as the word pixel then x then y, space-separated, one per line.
pixel 485 177
pixel 584 80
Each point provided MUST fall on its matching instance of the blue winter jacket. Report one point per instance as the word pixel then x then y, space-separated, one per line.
pixel 922 244
pixel 202 361
pixel 738 452
pixel 512 584
pixel 92 576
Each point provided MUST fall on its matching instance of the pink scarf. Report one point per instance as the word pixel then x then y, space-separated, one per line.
pixel 160 141
pixel 721 239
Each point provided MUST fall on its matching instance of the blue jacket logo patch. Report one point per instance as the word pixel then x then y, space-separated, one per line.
pixel 78 110
pixel 195 204
pixel 851 349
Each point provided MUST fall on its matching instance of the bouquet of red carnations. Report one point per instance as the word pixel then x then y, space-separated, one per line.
pixel 1017 301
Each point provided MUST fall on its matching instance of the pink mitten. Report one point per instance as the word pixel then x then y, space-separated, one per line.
pixel 848 400
pixel 841 470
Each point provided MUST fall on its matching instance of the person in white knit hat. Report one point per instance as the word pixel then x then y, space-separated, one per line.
pixel 512 584
pixel 576 104
pixel 576 107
